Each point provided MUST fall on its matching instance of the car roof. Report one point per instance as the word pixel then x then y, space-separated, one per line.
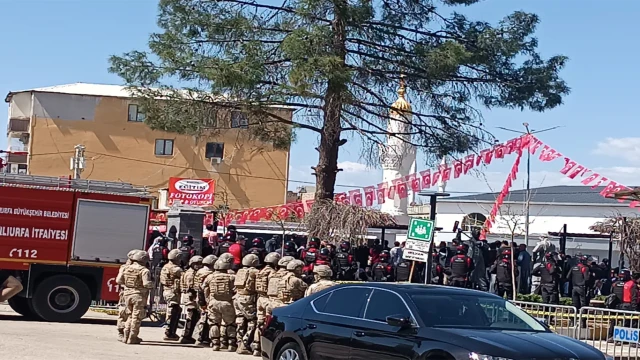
pixel 421 289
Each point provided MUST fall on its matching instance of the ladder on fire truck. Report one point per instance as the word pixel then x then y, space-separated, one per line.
pixel 112 187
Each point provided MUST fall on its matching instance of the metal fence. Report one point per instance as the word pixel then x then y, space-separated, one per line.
pixel 614 332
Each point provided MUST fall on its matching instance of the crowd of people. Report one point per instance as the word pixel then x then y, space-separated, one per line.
pixel 226 300
pixel 229 290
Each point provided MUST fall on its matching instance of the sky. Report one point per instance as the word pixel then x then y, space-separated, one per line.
pixel 52 42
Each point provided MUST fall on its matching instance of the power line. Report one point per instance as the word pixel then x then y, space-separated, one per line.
pixel 470 193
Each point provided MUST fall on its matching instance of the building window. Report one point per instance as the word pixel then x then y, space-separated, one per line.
pixel 239 120
pixel 473 221
pixel 164 147
pixel 211 121
pixel 214 150
pixel 135 114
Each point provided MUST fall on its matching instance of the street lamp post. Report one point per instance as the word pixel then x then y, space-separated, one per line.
pixel 527 200
pixel 433 200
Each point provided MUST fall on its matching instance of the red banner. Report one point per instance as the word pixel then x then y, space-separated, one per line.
pixel 198 192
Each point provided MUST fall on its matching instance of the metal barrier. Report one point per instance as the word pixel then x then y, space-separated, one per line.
pixel 614 332
pixel 560 318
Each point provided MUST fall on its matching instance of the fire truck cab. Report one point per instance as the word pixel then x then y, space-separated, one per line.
pixel 65 240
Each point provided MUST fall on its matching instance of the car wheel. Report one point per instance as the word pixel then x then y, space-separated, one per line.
pixel 61 298
pixel 22 306
pixel 291 351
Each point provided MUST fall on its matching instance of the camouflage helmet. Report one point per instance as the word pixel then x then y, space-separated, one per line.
pixel 226 257
pixel 131 253
pixel 174 254
pixel 140 256
pixel 197 259
pixel 294 265
pixel 285 261
pixel 272 258
pixel 221 264
pixel 250 260
pixel 209 260
pixel 323 271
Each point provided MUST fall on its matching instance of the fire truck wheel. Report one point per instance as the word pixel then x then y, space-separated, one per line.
pixel 22 306
pixel 61 298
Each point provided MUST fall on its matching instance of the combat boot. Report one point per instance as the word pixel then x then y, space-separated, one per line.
pixel 215 344
pixel 134 340
pixel 168 336
pixel 121 337
pixel 256 353
pixel 242 350
pixel 232 345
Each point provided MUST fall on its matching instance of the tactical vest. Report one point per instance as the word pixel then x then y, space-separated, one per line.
pixel 200 276
pixel 503 270
pixel 310 256
pixel 618 289
pixel 187 282
pixel 167 275
pixel 156 256
pixel 284 289
pixel 627 293
pixel 402 271
pixel 342 259
pixel 459 266
pixel 380 272
pixel 272 288
pixel 321 285
pixel 185 254
pixel 132 278
pixel 245 281
pixel 262 280
pixel 220 286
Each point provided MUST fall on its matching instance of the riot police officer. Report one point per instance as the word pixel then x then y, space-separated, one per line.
pixel 290 249
pixel 505 272
pixel 257 248
pixel 402 270
pixel 549 274
pixel 461 266
pixel 579 277
pixel 437 269
pixel 186 251
pixel 344 264
pixel 381 270
pixel 227 241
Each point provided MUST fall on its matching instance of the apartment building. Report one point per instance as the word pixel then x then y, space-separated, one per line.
pixel 45 124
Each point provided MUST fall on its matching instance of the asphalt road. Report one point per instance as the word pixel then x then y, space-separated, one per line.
pixel 94 338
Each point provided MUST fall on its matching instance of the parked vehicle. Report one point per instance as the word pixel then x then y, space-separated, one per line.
pixel 65 240
pixel 411 321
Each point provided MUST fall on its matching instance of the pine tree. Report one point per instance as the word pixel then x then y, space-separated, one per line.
pixel 339 64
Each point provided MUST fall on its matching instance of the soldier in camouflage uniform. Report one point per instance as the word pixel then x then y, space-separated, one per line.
pixel 323 275
pixel 272 289
pixel 291 287
pixel 137 281
pixel 188 300
pixel 201 275
pixel 123 315
pixel 170 277
pixel 222 316
pixel 245 302
pixel 262 284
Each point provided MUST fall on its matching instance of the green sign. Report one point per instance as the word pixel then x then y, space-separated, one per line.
pixel 420 229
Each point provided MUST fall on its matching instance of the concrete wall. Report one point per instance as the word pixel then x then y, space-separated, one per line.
pixel 250 175
pixel 20 106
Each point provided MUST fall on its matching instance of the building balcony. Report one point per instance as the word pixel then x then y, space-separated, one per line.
pixel 18 126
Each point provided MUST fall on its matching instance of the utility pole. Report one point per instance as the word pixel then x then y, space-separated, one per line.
pixel 527 200
pixel 77 161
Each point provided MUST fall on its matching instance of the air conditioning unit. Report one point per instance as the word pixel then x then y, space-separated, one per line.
pixel 216 161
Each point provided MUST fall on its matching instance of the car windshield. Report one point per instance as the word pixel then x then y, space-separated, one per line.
pixel 472 312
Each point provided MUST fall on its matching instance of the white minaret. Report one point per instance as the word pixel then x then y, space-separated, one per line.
pixel 398 157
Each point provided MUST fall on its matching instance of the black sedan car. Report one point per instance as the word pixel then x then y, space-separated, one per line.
pixel 379 321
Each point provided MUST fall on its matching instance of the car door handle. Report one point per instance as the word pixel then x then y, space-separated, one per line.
pixel 358 333
pixel 311 326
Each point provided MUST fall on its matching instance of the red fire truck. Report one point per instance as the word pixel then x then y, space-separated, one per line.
pixel 65 240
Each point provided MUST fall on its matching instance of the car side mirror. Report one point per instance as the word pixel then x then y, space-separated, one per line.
pixel 398 321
